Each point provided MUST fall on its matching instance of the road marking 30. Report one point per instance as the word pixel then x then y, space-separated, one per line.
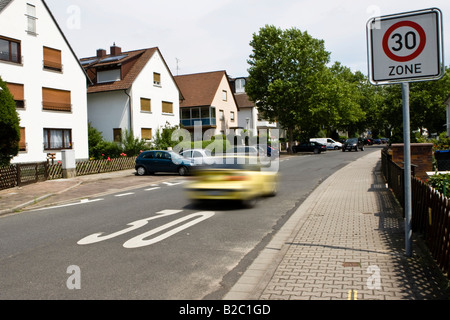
pixel 140 241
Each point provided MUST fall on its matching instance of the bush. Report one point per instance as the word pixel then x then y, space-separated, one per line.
pixel 440 182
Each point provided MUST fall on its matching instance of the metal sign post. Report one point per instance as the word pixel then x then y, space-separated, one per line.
pixel 407 169
pixel 403 48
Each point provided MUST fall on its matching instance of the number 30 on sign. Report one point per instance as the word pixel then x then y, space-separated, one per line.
pixel 405 47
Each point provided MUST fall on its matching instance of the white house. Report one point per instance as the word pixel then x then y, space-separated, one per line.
pixel 249 117
pixel 46 79
pixel 133 91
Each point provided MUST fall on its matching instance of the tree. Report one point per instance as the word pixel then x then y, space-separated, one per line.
pixel 286 69
pixel 9 126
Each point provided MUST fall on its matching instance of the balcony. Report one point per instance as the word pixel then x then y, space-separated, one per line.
pixel 206 122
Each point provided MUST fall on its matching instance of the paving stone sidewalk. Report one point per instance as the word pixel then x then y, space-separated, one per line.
pixel 345 242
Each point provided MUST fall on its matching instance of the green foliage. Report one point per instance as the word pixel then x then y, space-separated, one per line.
pixel 132 146
pixel 163 138
pixel 9 126
pixel 129 146
pixel 440 182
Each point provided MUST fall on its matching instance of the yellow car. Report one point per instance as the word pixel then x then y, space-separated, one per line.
pixel 233 178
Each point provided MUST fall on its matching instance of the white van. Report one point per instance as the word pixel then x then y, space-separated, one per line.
pixel 330 143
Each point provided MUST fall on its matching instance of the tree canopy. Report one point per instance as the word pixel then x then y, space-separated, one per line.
pixel 9 126
pixel 290 83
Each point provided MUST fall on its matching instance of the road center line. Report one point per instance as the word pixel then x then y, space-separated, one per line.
pixel 154 188
pixel 124 194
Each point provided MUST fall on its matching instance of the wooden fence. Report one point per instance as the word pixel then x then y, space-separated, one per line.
pixel 430 216
pixel 104 165
pixel 24 173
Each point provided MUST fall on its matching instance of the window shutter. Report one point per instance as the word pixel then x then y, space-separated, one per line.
pixel 22 143
pixel 16 90
pixel 146 105
pixel 52 59
pixel 146 133
pixel 156 78
pixel 167 107
pixel 56 100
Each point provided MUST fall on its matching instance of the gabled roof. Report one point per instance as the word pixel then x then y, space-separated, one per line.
pixel 5 3
pixel 243 100
pixel 131 63
pixel 134 60
pixel 200 89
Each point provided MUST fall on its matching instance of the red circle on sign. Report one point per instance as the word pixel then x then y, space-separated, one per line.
pixel 415 54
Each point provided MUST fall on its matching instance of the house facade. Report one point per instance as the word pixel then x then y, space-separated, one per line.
pixel 249 117
pixel 133 91
pixel 209 99
pixel 46 80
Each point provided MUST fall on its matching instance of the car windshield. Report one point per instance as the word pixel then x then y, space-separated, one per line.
pixel 352 140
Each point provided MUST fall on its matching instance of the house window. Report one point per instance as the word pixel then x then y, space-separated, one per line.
pixel 239 85
pixel 17 92
pixel 146 133
pixel 167 107
pixel 31 17
pixel 10 50
pixel 22 143
pixel 221 117
pixel 117 134
pixel 232 115
pixel 52 59
pixel 56 100
pixel 156 79
pixel 146 105
pixel 108 76
pixel 55 139
pixel 224 95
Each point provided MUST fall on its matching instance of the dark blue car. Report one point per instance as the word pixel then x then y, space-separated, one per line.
pixel 149 162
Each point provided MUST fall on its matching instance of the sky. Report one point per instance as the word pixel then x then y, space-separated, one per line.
pixel 210 35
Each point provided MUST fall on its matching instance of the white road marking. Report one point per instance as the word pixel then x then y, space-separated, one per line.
pixel 154 188
pixel 97 237
pixel 124 194
pixel 139 241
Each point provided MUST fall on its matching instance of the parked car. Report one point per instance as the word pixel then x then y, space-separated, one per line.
pixel 246 151
pixel 376 141
pixel 149 162
pixel 353 144
pixel 197 156
pixel 311 146
pixel 368 141
pixel 330 143
pixel 384 140
pixel 234 178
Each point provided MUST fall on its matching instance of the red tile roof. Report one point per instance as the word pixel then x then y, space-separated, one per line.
pixel 131 64
pixel 199 89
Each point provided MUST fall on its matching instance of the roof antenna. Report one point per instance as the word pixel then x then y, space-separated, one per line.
pixel 178 68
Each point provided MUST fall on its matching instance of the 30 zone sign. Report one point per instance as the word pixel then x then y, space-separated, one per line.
pixel 405 47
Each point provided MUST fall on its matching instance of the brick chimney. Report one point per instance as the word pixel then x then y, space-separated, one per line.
pixel 115 50
pixel 101 53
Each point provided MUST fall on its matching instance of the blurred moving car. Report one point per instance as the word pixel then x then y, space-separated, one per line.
pixel 149 162
pixel 311 146
pixel 245 151
pixel 197 156
pixel 233 178
pixel 353 144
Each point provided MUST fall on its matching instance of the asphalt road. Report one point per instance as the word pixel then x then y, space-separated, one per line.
pixel 153 244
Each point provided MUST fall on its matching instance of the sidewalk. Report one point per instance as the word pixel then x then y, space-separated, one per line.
pixel 346 241
pixel 52 192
